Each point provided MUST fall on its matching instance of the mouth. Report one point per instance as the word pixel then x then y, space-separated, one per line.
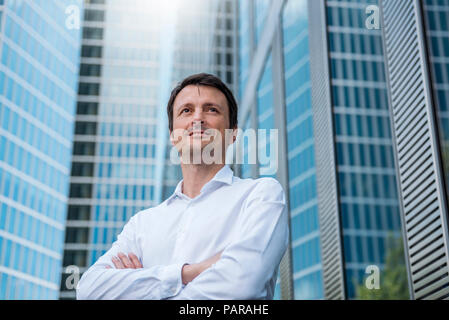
pixel 196 133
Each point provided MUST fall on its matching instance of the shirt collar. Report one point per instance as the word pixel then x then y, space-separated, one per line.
pixel 224 175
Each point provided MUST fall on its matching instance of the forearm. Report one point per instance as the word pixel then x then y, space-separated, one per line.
pixel 191 271
pixel 229 279
pixel 246 268
pixel 157 282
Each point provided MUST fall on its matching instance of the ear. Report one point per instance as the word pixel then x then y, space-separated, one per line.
pixel 234 134
pixel 171 136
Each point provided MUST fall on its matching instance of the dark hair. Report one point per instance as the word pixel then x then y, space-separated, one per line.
pixel 204 79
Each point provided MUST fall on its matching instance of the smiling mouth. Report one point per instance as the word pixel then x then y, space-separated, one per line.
pixel 196 133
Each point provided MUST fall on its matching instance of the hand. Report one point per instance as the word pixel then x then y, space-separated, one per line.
pixel 191 271
pixel 126 262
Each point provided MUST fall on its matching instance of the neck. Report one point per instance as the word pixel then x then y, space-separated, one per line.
pixel 195 176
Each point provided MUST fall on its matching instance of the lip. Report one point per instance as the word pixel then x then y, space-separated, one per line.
pixel 196 132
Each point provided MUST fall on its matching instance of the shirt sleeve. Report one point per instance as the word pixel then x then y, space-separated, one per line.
pixel 249 262
pixel 156 282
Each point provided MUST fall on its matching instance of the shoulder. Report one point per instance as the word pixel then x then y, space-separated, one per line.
pixel 268 182
pixel 145 214
pixel 267 188
pixel 261 183
pixel 265 201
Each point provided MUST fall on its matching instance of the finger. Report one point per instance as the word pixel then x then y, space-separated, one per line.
pixel 134 260
pixel 124 258
pixel 117 263
pixel 217 256
pixel 210 261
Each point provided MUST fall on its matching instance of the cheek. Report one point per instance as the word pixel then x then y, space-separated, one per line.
pixel 179 123
pixel 218 122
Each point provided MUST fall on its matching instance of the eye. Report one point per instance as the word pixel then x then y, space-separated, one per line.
pixel 183 110
pixel 213 109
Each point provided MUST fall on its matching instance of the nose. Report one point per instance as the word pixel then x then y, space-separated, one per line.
pixel 198 118
pixel 197 125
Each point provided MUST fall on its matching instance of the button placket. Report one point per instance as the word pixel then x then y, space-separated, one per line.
pixel 181 232
pixel 189 218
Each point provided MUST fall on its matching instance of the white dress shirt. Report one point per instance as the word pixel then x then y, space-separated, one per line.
pixel 246 218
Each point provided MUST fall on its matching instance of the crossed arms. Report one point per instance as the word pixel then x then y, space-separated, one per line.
pixel 241 271
pixel 188 272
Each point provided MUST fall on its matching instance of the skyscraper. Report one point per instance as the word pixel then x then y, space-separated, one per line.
pixel 321 72
pixel 357 91
pixel 265 40
pixel 131 57
pixel 418 75
pixel 38 77
pixel 363 192
pixel 205 41
pixel 113 164
pixel 307 269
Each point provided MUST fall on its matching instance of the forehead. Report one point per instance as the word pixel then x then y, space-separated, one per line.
pixel 198 94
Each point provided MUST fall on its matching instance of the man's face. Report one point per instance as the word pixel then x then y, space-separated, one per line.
pixel 200 116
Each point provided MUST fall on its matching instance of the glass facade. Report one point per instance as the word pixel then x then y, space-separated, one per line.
pixel 38 77
pixel 367 198
pixel 121 155
pixel 245 53
pixel 261 9
pixel 301 188
pixel 84 140
pixel 260 116
pixel 114 153
pixel 305 234
pixel 205 41
pixel 436 17
pixel 244 31
pixel 265 116
pixel 369 203
pixel 246 168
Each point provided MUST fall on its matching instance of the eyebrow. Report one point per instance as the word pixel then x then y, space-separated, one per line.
pixel 206 104
pixel 209 104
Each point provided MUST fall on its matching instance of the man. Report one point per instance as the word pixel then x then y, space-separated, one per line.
pixel 217 236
